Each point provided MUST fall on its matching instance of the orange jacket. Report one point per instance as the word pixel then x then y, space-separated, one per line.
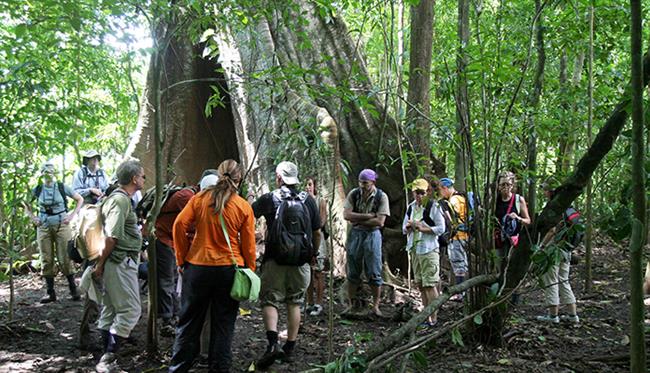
pixel 209 246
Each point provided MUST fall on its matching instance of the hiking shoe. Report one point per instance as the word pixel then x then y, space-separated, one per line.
pixel 574 319
pixel 316 310
pixel 548 318
pixel 288 355
pixel 427 325
pixel 49 298
pixel 274 352
pixel 107 363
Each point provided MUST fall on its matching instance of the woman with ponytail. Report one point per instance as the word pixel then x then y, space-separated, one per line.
pixel 207 267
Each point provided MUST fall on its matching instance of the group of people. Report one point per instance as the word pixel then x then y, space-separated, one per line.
pixel 203 232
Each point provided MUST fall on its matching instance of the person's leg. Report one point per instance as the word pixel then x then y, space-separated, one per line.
pixel 197 287
pixel 320 286
pixel 44 239
pixel 566 295
pixel 354 253
pixel 62 236
pixel 223 313
pixel 166 262
pixel 272 294
pixel 551 294
pixel 373 263
pixel 296 284
pixel 429 267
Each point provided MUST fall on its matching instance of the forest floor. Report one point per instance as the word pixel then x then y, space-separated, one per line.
pixel 42 338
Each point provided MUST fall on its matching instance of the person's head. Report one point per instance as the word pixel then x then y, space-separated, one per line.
pixel 310 186
pixel 419 187
pixel 230 175
pixel 131 173
pixel 446 187
pixel 208 181
pixel 48 172
pixel 367 180
pixel 209 171
pixel 91 159
pixel 549 186
pixel 286 173
pixel 506 182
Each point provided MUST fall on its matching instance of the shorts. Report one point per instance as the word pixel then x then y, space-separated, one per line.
pixel 458 257
pixel 283 284
pixel 363 250
pixel 426 268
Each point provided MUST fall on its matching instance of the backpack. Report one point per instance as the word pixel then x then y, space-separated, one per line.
pixel 39 188
pixel 145 205
pixel 510 227
pixel 573 228
pixel 290 235
pixel 356 197
pixel 468 225
pixel 443 239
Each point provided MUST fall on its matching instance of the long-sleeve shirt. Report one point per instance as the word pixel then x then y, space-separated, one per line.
pixel 209 246
pixel 168 213
pixel 423 242
pixel 84 180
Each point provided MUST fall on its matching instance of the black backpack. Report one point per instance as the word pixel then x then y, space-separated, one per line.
pixel 39 188
pixel 290 235
pixel 148 199
pixel 443 239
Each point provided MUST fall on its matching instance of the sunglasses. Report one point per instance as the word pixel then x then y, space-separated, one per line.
pixel 420 192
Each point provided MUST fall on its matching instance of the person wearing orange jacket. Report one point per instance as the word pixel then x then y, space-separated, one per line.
pixel 207 268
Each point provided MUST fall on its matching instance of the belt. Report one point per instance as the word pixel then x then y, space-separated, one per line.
pixel 55 214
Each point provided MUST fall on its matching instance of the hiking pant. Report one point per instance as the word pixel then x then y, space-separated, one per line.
pixel 363 250
pixel 167 274
pixel 122 309
pixel 90 312
pixel 205 287
pixel 558 287
pixel 458 257
pixel 53 243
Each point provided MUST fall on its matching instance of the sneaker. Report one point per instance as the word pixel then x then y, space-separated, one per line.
pixel 548 318
pixel 274 352
pixel 456 298
pixel 574 319
pixel 427 325
pixel 107 363
pixel 316 310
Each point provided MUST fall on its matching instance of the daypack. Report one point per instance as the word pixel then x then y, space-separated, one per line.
pixel 356 197
pixel 468 225
pixel 443 239
pixel 290 235
pixel 572 228
pixel 510 227
pixel 146 203
pixel 39 188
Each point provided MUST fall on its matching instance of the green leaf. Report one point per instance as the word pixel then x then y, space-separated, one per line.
pixel 420 359
pixel 457 337
pixel 478 320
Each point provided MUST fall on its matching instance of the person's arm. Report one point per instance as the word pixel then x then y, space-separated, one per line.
pixel 357 217
pixel 113 215
pixel 78 186
pixel 247 240
pixel 523 216
pixel 79 202
pixel 30 214
pixel 376 221
pixel 436 215
pixel 322 209
pixel 184 221
pixel 109 245
pixel 406 223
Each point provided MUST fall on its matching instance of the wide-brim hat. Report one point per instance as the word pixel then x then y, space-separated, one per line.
pixel 89 155
pixel 420 184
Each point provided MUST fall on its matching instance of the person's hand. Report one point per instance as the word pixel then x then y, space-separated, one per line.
pixel 67 219
pixel 179 269
pixel 514 216
pixel 36 221
pixel 96 192
pixel 99 271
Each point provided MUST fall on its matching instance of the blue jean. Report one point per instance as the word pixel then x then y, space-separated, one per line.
pixel 363 250
pixel 205 286
pixel 167 302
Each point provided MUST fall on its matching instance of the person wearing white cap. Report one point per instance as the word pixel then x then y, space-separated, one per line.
pixel 53 228
pixel 90 180
pixel 286 268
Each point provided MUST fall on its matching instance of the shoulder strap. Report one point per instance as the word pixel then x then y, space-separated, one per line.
pixel 225 234
pixel 512 201
pixel 517 203
pixel 409 210
pixel 356 194
pixel 378 195
pixel 61 188
pixel 36 192
pixel 427 214
pixel 84 171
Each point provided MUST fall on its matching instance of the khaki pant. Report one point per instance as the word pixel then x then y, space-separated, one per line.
pixel 122 309
pixel 53 243
pixel 558 288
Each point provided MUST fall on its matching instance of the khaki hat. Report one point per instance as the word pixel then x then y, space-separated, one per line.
pixel 89 155
pixel 420 184
pixel 48 167
pixel 288 172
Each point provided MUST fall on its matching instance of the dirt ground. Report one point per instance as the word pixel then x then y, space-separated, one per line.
pixel 42 338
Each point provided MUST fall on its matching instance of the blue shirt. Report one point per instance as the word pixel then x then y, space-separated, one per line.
pixel 51 205
pixel 82 184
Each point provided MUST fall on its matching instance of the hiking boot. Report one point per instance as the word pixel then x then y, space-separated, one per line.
pixel 51 294
pixel 548 318
pixel 74 294
pixel 273 352
pixel 574 319
pixel 107 363
pixel 288 355
pixel 316 310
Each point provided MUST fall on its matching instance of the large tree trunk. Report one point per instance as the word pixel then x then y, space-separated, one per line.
pixel 274 86
pixel 462 99
pixel 419 78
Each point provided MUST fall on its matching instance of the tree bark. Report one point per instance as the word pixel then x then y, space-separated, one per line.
pixel 533 105
pixel 637 240
pixel 590 120
pixel 462 99
pixel 417 114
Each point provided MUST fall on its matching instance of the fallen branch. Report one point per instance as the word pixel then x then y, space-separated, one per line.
pixel 407 329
